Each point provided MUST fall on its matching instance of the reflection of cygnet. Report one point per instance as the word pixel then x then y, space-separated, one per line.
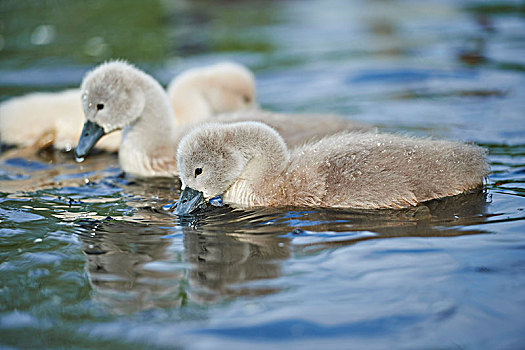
pixel 55 118
pixel 116 258
pixel 248 164
pixel 221 264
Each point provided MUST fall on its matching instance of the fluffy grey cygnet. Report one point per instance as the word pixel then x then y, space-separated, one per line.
pixel 248 164
pixel 116 95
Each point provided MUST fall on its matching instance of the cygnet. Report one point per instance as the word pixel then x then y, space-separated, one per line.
pixel 247 164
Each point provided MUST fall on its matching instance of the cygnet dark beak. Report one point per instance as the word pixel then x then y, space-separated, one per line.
pixel 189 201
pixel 91 133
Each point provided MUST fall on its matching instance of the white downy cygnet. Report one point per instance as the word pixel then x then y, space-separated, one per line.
pixel 43 119
pixel 249 165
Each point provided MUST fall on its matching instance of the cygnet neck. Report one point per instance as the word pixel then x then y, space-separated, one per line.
pixel 266 158
pixel 152 135
pixel 264 150
pixel 157 118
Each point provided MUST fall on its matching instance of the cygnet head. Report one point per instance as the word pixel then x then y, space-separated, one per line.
pixel 213 157
pixel 220 88
pixel 208 160
pixel 111 99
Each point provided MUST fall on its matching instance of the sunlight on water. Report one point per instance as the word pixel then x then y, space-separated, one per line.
pixel 91 258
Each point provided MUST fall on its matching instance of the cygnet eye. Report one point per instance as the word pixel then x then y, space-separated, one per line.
pixel 198 171
pixel 247 99
pixel 100 106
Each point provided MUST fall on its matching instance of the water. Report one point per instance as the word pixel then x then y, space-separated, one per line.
pixel 91 259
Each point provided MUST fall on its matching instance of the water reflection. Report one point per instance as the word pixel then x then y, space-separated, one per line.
pixel 310 230
pixel 447 217
pixel 223 265
pixel 151 262
pixel 27 169
pixel 116 253
pixel 437 216
pixel 134 266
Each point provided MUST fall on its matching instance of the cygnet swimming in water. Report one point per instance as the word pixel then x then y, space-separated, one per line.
pixel 116 95
pixel 248 164
pixel 43 119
